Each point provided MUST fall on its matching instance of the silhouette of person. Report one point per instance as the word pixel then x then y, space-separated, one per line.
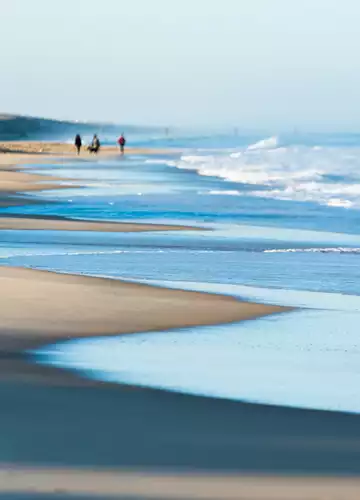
pixel 95 145
pixel 122 142
pixel 78 143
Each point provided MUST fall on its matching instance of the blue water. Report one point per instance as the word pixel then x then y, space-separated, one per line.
pixel 284 220
pixel 278 360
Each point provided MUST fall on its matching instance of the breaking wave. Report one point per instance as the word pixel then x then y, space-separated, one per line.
pixel 269 168
pixel 270 143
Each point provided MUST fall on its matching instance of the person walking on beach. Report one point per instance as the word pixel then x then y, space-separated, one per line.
pixel 122 142
pixel 78 143
pixel 95 145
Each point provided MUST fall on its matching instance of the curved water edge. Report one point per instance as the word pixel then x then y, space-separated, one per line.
pixel 293 359
pixel 307 358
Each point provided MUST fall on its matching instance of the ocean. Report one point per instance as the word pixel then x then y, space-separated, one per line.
pixel 284 218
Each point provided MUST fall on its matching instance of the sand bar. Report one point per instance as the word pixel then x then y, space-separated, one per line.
pixel 63 224
pixel 48 306
pixel 16 182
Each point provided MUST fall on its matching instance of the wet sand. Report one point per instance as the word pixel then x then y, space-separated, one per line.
pixel 14 200
pixel 17 182
pixel 12 182
pixel 85 437
pixel 94 435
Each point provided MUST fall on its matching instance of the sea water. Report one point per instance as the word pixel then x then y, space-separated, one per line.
pixel 284 217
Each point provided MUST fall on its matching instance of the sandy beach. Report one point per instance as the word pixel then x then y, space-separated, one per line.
pixel 55 306
pixel 179 250
pixel 53 224
pixel 14 182
pixel 64 435
pixel 34 151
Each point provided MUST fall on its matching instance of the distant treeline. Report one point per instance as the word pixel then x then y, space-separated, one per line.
pixel 22 128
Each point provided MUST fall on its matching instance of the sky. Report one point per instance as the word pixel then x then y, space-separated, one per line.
pixel 269 64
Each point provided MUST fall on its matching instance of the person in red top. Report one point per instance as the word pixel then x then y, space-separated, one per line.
pixel 122 142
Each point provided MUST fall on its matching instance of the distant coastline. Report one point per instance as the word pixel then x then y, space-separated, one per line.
pixel 29 128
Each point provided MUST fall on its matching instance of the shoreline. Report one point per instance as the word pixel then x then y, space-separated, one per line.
pixel 38 150
pixel 18 153
pixel 15 182
pixel 67 224
pixel 51 304
pixel 65 434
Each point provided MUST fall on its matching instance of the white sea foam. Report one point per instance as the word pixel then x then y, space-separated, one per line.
pixel 230 192
pixel 325 175
pixel 18 252
pixel 347 250
pixel 154 161
pixel 270 143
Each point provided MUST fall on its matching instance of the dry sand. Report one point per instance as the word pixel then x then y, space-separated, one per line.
pixel 50 305
pixel 158 486
pixel 34 150
pixel 53 224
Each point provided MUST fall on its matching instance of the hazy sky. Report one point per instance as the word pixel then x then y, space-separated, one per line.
pixel 255 63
